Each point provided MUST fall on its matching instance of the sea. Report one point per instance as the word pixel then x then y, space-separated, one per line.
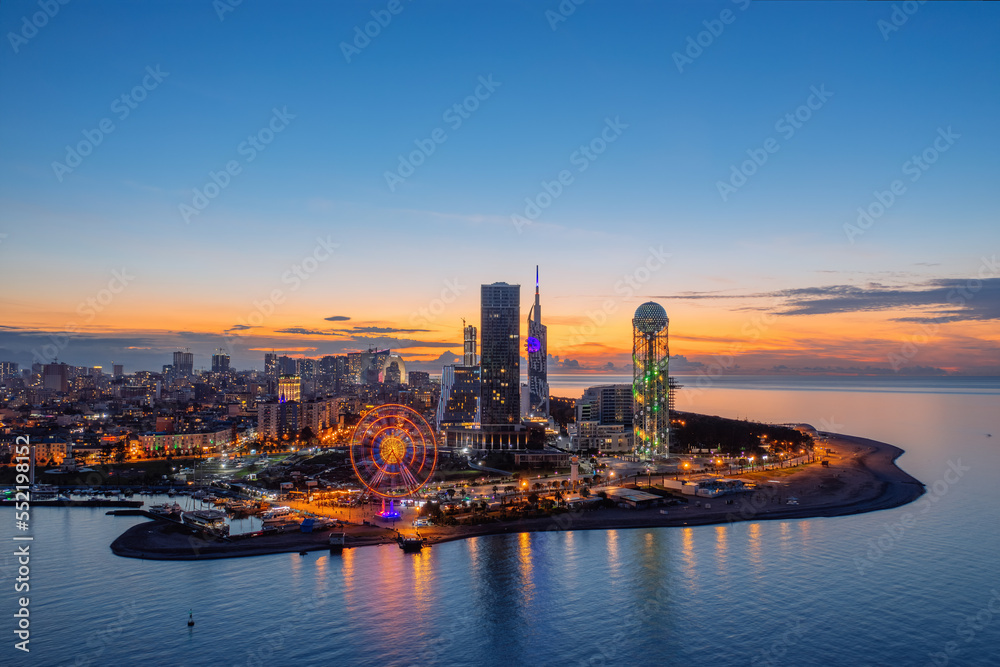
pixel 915 585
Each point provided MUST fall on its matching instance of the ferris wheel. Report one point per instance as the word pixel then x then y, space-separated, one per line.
pixel 393 451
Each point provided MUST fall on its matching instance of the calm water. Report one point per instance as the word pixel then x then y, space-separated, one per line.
pixel 808 592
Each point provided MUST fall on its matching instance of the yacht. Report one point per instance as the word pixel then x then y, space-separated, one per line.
pixel 212 522
pixel 276 515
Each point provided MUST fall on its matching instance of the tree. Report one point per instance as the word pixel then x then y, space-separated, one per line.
pixel 120 452
pixel 533 498
pixel 105 452
pixel 451 493
pixel 584 492
pixel 495 489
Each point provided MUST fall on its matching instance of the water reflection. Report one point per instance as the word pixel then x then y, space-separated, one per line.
pixel 614 557
pixel 689 559
pixel 525 566
pixel 721 549
pixel 754 545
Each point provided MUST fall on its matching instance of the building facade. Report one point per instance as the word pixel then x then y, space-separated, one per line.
pixel 536 348
pixel 500 359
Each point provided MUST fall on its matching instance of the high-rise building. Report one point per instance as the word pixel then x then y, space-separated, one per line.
pixel 184 363
pixel 220 362
pixel 650 388
pixel 289 388
pixel 603 419
pixel 271 364
pixel 8 369
pixel 117 370
pixel 355 361
pixel 373 364
pixel 500 359
pixel 286 365
pixel 459 402
pixel 536 346
pixel 55 377
pixel 469 357
pixel 418 379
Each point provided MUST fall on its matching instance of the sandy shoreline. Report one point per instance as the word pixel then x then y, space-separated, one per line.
pixel 862 477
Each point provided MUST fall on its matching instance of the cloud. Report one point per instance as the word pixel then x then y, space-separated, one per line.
pixel 354 331
pixel 337 318
pixel 239 327
pixel 678 362
pixel 940 300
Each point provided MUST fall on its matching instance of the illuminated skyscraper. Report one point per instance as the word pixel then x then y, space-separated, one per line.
pixel 650 388
pixel 271 364
pixel 536 347
pixel 500 358
pixel 469 357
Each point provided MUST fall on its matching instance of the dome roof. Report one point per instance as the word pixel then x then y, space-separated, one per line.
pixel 650 318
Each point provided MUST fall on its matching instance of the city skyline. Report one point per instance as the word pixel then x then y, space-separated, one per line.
pixel 816 213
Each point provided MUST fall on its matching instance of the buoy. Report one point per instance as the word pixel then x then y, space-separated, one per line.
pixel 303 553
pixel 190 619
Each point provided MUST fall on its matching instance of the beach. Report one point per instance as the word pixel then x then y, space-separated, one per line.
pixel 861 476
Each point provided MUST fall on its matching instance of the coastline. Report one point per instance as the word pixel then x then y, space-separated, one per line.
pixel 862 476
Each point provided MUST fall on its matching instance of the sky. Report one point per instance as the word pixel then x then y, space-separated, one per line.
pixel 805 187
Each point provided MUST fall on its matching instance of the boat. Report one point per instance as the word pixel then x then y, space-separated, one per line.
pixel 410 544
pixel 171 492
pixel 211 522
pixel 276 515
pixel 337 541
pixel 44 491
pixel 166 510
pixel 199 494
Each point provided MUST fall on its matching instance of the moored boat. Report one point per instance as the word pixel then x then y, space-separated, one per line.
pixel 211 522
pixel 410 544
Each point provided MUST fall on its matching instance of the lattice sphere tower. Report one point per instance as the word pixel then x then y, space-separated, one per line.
pixel 650 388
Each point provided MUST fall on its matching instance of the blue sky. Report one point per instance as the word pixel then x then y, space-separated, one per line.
pixel 324 173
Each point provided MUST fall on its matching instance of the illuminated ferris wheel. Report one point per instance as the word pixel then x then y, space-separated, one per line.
pixel 393 451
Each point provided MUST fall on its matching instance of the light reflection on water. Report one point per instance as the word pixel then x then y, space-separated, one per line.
pixel 715 595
